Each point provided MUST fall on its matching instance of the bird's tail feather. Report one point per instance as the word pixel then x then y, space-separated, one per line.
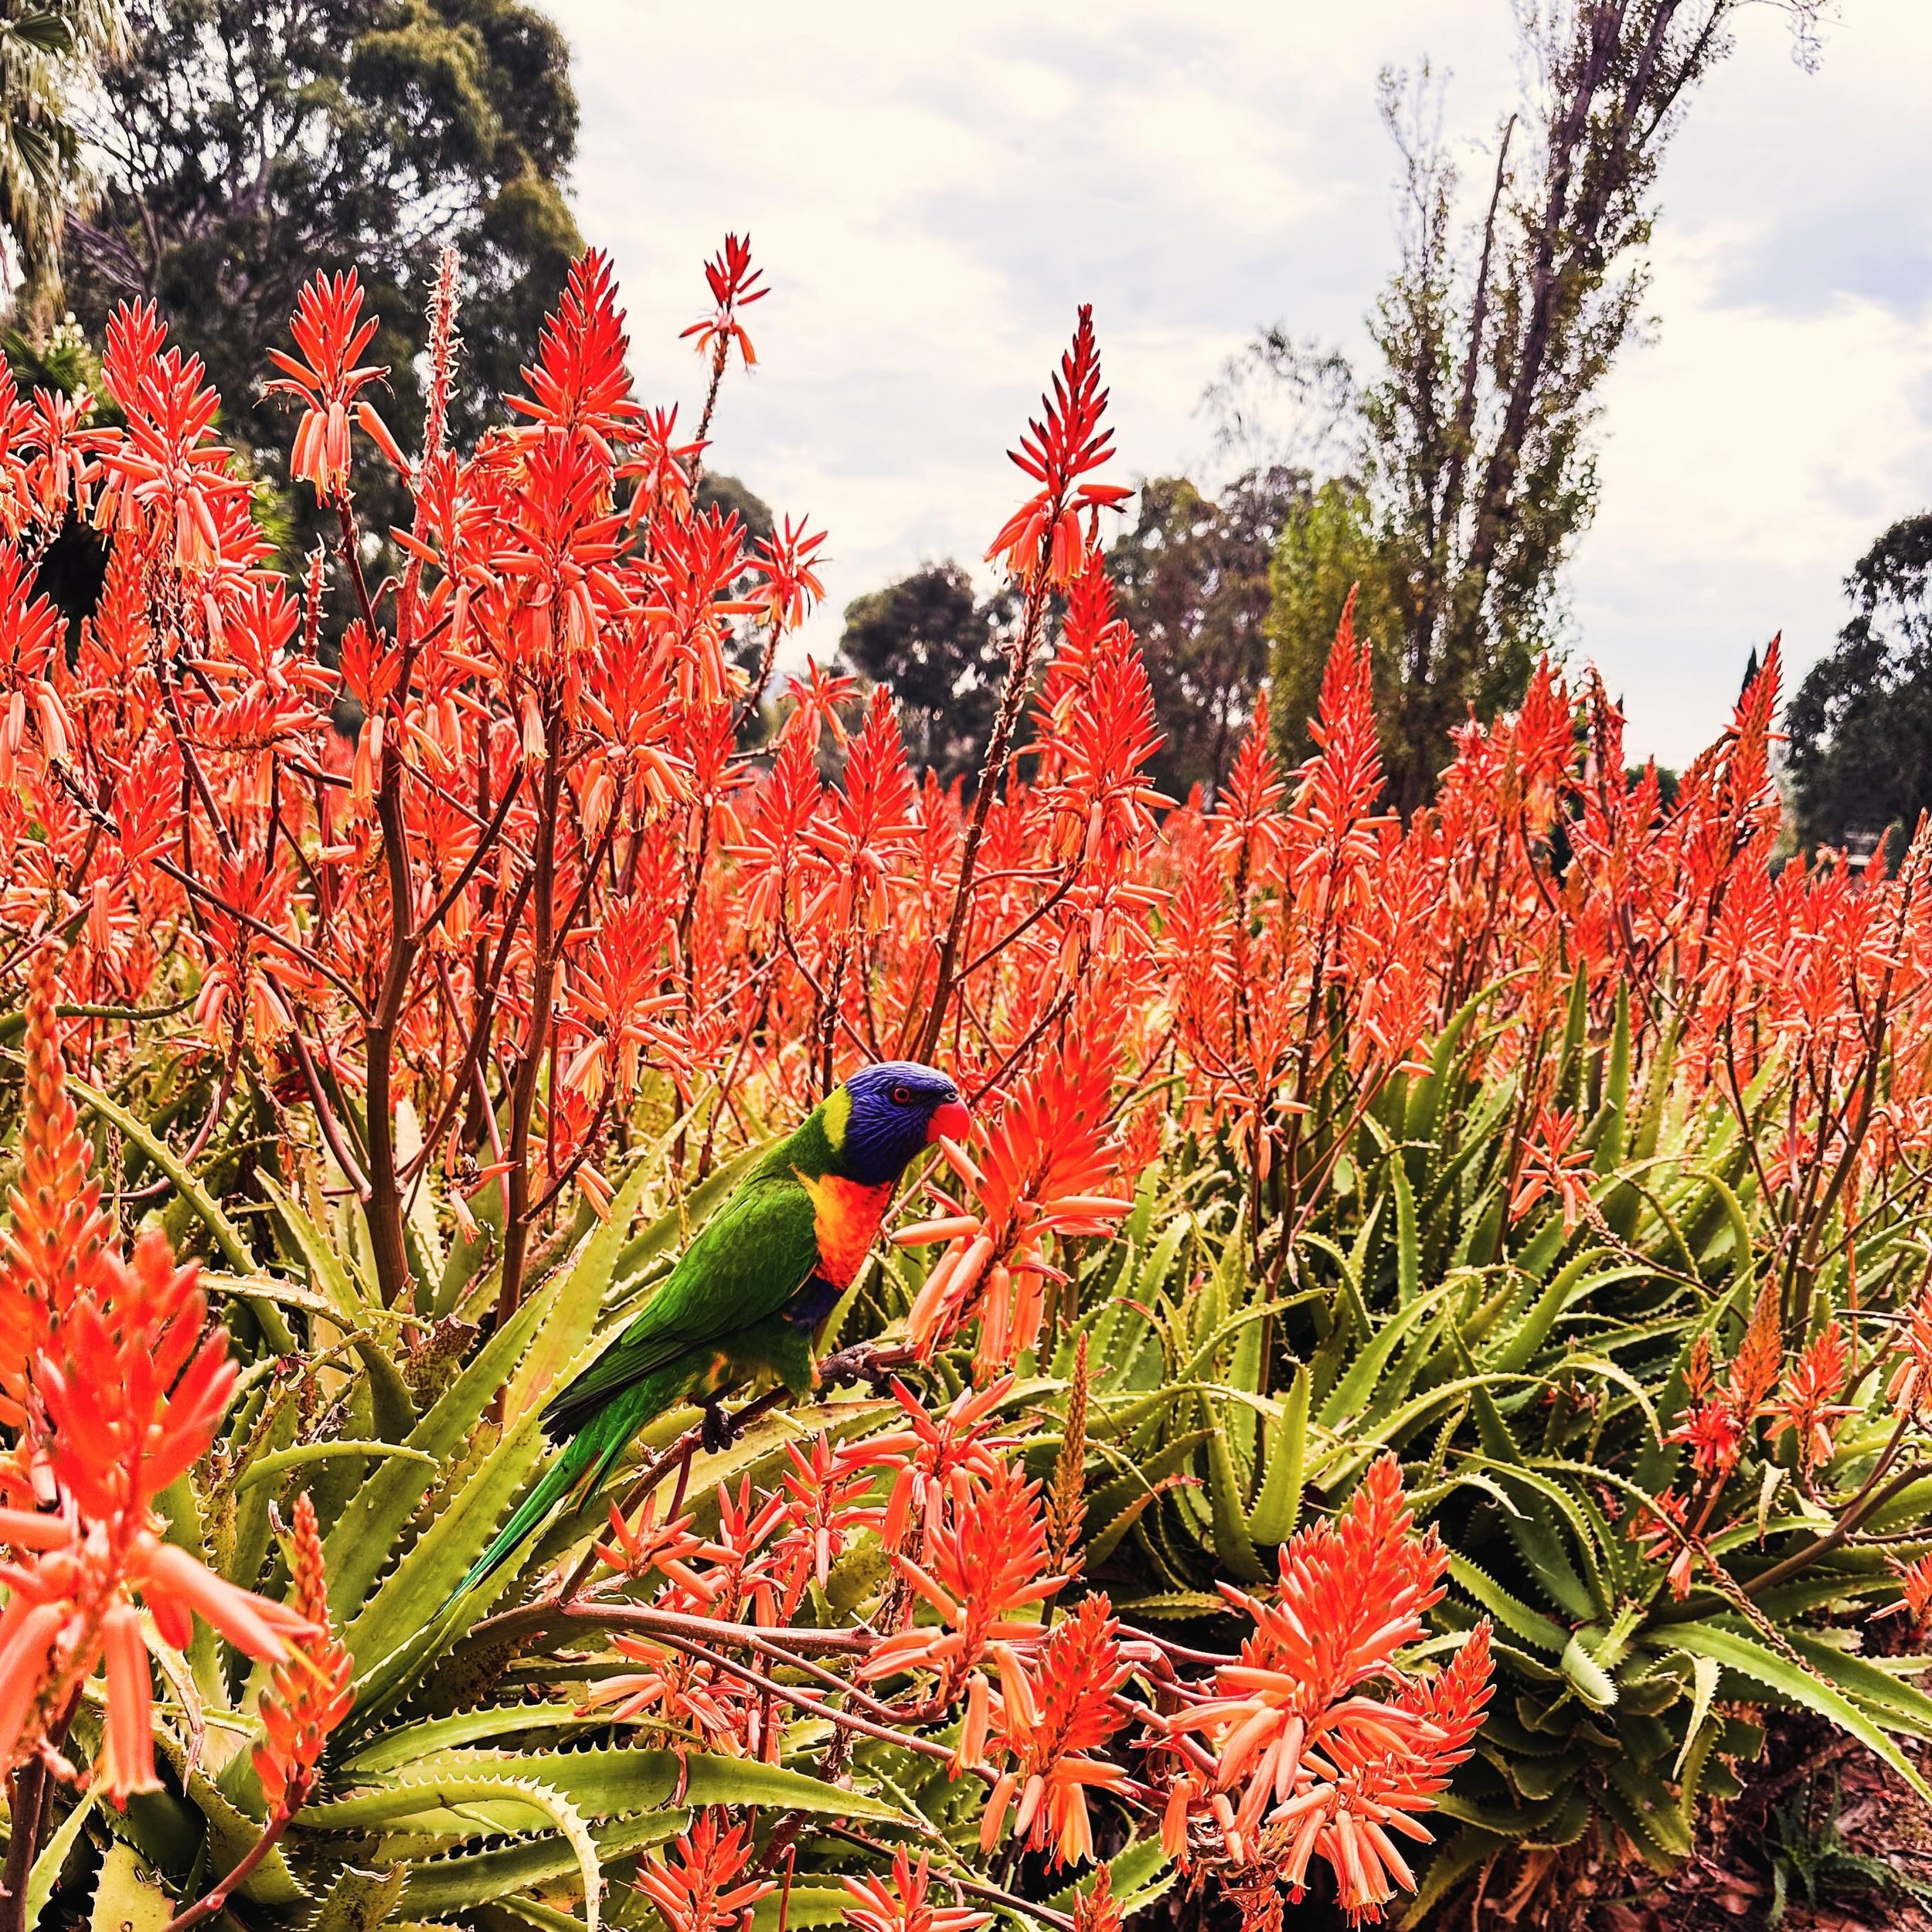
pixel 572 1461
pixel 585 1459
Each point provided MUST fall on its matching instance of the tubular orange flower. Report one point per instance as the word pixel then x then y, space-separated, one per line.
pixel 580 382
pixel 1660 1529
pixel 132 1393
pixel 661 469
pixel 1915 1591
pixel 866 833
pixel 1051 1159
pixel 1754 1368
pixel 1715 1436
pixel 1249 827
pixel 933 1459
pixel 734 283
pixel 54 1249
pixel 1554 1164
pixel 788 561
pixel 772 855
pixel 1097 734
pixel 636 1548
pixel 1910 1386
pixel 1804 1403
pixel 1351 1595
pixel 1335 1745
pixel 815 700
pixel 1096 1910
pixel 166 490
pixel 71 1603
pixel 1054 1713
pixel 1346 1818
pixel 127 1762
pixel 823 1510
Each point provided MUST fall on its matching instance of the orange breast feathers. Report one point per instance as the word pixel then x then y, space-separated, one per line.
pixel 845 1218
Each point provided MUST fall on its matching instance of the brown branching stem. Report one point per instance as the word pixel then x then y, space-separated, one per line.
pixel 31 1809
pixel 213 1900
pixel 1019 672
pixel 518 1214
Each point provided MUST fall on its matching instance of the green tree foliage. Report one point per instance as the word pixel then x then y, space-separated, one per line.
pixel 1192 574
pixel 48 53
pixel 1475 471
pixel 1861 725
pixel 1327 547
pixel 247 146
pixel 939 647
pixel 735 498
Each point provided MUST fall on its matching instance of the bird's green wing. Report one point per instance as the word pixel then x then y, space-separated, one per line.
pixel 745 1265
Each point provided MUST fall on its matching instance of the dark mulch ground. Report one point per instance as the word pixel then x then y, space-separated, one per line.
pixel 1824 1839
pixel 1819 1807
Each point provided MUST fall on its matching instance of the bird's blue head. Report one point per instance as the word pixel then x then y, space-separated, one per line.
pixel 884 1114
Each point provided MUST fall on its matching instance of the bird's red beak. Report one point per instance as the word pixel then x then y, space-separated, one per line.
pixel 950 1122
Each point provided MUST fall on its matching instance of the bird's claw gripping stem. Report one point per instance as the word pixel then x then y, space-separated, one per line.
pixel 864 1361
pixel 717 1430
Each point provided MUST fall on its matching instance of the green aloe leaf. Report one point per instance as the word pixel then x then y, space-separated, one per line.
pixel 569 1325
pixel 1350 1395
pixel 407 1744
pixel 1232 1542
pixel 52 1855
pixel 601 1784
pixel 359 1546
pixel 1278 1506
pixel 804 1905
pixel 395 1415
pixel 1118 1507
pixel 1749 1656
pixel 444 1884
pixel 280 1461
pixel 206 1209
pixel 359 1901
pixel 1514 1615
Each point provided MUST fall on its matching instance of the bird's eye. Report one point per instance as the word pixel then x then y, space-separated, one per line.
pixel 903 1095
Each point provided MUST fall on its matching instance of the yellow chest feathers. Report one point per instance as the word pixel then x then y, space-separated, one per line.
pixel 845 1218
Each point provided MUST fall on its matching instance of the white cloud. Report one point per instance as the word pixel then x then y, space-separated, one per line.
pixel 932 190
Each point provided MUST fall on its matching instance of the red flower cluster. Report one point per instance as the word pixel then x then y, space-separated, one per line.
pixel 699 1886
pixel 1332 1744
pixel 1054 1713
pixel 328 331
pixel 901 1904
pixel 986 1559
pixel 118 1388
pixel 1057 454
pixel 308 1691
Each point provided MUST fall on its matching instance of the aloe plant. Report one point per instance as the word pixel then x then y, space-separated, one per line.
pixel 1533 1370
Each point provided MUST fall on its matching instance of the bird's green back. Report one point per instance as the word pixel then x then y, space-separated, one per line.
pixel 743 1266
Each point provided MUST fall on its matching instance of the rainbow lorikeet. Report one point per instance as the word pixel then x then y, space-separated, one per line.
pixel 749 1295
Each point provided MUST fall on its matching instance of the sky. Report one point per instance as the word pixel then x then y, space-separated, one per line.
pixel 932 190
